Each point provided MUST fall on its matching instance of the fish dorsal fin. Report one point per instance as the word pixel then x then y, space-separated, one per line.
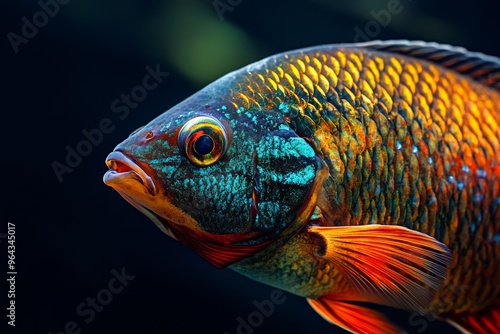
pixel 480 67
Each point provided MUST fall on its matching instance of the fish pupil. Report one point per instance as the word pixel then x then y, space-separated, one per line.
pixel 204 145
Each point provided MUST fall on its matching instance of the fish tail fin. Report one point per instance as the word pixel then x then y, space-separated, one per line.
pixel 352 317
pixel 486 321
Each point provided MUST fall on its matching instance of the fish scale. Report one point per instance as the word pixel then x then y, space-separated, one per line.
pixel 341 173
pixel 419 107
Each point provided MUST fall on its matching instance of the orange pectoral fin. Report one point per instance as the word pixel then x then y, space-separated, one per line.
pixel 352 317
pixel 389 265
pixel 486 321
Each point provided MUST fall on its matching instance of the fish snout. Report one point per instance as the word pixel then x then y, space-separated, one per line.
pixel 123 168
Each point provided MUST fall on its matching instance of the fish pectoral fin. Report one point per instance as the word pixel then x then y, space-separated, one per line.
pixel 352 317
pixel 483 322
pixel 386 264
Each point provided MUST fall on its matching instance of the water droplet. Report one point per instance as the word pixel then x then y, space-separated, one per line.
pixel 465 169
pixel 481 173
pixel 451 179
pixel 414 149
pixel 430 160
pixel 460 185
pixel 398 145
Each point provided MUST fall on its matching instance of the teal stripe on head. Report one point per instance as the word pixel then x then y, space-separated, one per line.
pixel 286 168
pixel 276 146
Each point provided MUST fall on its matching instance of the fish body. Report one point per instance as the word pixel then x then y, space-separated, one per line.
pixel 341 173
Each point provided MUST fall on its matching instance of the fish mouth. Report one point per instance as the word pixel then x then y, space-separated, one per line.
pixel 122 167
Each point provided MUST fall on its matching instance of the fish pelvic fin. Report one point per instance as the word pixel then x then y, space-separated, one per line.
pixel 352 317
pixel 486 321
pixel 386 264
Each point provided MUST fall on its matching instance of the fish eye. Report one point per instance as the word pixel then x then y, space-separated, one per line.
pixel 203 140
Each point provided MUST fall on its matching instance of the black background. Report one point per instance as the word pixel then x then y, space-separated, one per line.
pixel 71 234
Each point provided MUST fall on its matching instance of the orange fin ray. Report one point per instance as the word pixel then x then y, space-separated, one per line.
pixel 486 321
pixel 352 317
pixel 389 265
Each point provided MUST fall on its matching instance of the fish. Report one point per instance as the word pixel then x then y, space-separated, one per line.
pixel 353 175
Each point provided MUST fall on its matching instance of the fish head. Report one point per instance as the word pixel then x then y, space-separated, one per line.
pixel 225 181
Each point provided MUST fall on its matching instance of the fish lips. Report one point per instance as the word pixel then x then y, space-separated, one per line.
pixel 122 169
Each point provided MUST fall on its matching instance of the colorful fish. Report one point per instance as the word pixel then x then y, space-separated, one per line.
pixel 347 174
